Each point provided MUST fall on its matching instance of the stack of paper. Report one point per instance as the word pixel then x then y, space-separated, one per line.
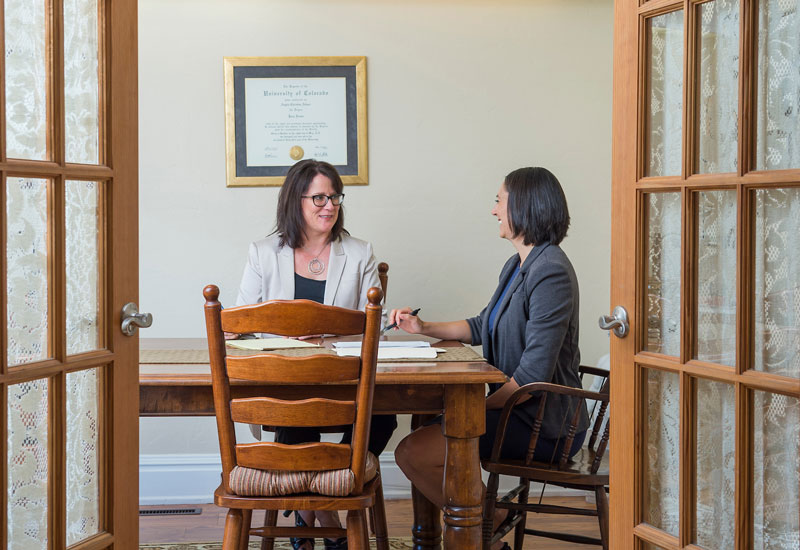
pixel 267 344
pixel 391 349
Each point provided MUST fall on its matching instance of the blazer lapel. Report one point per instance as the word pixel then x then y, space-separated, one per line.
pixel 336 263
pixel 286 273
pixel 515 284
pixel 504 274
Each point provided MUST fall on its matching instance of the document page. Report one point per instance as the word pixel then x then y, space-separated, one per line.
pixel 266 344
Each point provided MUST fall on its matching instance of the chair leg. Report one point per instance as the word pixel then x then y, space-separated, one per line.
pixel 357 536
pixel 378 515
pixel 270 520
pixel 488 511
pixel 519 530
pixel 244 538
pixel 602 513
pixel 233 530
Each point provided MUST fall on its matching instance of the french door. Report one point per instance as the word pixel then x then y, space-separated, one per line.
pixel 68 188
pixel 705 395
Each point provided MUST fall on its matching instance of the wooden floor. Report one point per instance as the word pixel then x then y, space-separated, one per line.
pixel 208 526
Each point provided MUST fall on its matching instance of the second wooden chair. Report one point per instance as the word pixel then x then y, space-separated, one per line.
pixel 316 476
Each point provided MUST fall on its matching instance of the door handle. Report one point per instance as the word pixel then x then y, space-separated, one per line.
pixel 616 322
pixel 131 318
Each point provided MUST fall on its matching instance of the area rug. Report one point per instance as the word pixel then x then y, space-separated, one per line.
pixel 400 543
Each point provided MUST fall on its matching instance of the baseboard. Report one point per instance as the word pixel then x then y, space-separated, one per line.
pixel 192 478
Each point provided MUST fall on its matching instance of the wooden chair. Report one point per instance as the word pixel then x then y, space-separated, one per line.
pixel 252 469
pixel 587 470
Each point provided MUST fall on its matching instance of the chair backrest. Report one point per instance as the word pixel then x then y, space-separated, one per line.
pixel 570 423
pixel 293 318
pixel 383 275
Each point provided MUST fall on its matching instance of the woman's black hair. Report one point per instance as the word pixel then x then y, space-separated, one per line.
pixel 290 224
pixel 537 207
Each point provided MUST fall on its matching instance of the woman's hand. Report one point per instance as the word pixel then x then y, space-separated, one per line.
pixel 232 335
pixel 412 324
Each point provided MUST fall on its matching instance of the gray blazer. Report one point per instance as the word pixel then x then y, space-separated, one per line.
pixel 536 331
pixel 269 273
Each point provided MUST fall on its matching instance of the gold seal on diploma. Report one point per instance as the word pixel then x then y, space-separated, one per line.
pixel 296 152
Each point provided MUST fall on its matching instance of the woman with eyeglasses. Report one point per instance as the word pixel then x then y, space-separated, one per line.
pixel 528 330
pixel 311 256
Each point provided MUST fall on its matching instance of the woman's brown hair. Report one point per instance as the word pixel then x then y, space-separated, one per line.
pixel 289 224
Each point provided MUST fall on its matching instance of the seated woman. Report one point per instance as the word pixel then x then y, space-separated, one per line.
pixel 311 256
pixel 529 330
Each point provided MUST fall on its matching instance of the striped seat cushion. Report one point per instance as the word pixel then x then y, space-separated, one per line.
pixel 251 482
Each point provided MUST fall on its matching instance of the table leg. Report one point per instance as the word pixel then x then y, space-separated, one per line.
pixel 427 530
pixel 464 423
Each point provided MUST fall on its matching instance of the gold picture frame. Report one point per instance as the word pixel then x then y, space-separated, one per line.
pixel 301 107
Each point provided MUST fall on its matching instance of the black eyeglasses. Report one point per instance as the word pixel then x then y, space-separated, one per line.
pixel 321 200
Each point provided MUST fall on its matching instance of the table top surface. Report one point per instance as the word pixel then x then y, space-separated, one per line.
pixel 446 373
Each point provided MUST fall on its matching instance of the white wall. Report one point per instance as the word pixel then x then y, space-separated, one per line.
pixel 459 94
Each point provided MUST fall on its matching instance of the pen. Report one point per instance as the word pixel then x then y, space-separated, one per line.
pixel 393 325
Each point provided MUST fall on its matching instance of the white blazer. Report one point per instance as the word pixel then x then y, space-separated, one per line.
pixel 269 273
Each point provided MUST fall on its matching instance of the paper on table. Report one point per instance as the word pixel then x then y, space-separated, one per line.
pixel 266 344
pixel 394 353
pixel 386 344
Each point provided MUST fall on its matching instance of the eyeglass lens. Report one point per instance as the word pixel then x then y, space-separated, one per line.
pixel 322 200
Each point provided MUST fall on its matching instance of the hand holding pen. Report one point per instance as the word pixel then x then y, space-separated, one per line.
pixel 406 320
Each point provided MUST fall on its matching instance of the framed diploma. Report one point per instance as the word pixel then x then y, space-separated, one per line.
pixel 279 110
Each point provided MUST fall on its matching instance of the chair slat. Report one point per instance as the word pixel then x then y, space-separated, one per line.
pixel 296 458
pixel 278 368
pixel 293 318
pixel 306 413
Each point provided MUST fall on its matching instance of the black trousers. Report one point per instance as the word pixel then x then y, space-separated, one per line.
pixel 380 431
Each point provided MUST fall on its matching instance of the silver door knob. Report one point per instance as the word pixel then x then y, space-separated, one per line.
pixel 616 322
pixel 131 318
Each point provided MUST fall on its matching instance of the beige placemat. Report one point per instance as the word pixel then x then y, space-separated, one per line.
pixel 175 356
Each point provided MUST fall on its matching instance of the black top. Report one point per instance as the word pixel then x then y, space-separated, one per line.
pixel 308 289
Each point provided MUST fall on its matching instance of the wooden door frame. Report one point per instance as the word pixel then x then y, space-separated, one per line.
pixel 123 157
pixel 622 486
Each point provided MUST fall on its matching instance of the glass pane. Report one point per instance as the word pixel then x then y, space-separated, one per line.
pixel 778 81
pixel 776 471
pixel 716 455
pixel 26 253
pixel 27 465
pixel 777 282
pixel 83 455
pixel 81 88
pixel 26 79
pixel 663 261
pixel 83 266
pixel 648 546
pixel 662 429
pixel 716 276
pixel 718 86
pixel 665 101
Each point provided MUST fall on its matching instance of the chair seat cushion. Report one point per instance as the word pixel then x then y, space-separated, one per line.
pixel 252 482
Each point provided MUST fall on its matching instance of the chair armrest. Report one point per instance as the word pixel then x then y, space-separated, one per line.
pixel 544 388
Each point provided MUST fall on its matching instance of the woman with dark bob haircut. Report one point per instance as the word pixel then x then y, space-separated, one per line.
pixel 529 330
pixel 311 256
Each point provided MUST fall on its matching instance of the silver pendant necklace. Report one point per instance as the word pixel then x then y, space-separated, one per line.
pixel 317 266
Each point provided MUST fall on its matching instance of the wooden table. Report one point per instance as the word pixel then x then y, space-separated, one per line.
pixel 455 388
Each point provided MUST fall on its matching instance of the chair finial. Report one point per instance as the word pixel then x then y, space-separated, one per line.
pixel 383 268
pixel 211 292
pixel 375 295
